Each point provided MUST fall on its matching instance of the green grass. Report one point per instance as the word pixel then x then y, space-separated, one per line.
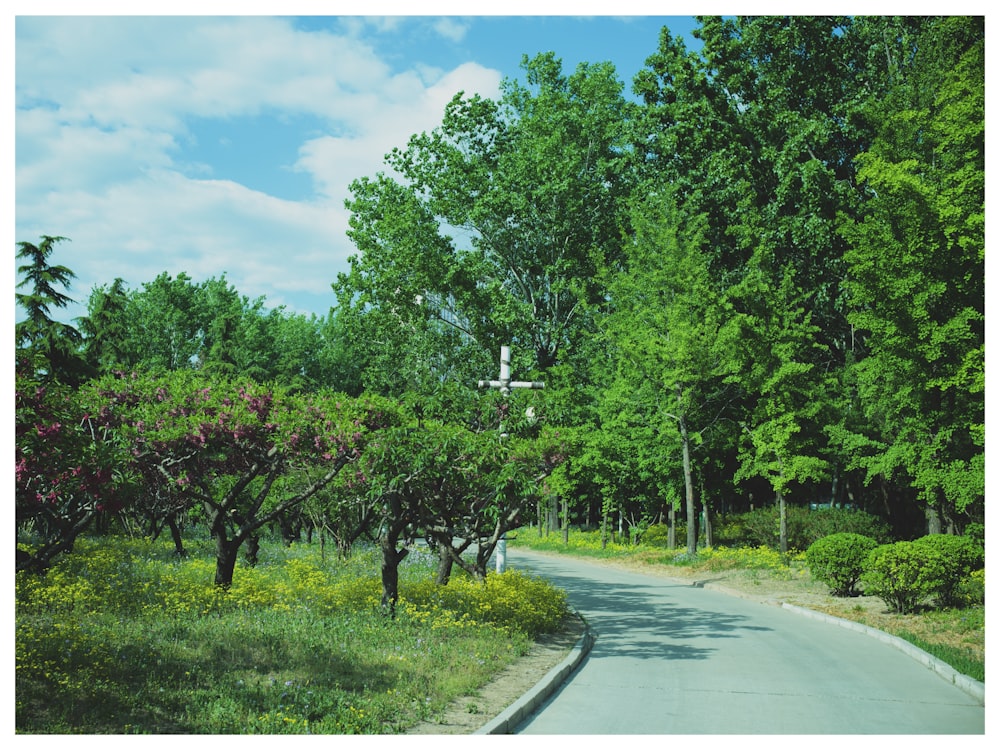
pixel 960 659
pixel 121 637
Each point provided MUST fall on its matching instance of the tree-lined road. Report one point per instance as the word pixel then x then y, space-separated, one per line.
pixel 671 658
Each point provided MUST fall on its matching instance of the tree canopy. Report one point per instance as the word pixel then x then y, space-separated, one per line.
pixel 759 278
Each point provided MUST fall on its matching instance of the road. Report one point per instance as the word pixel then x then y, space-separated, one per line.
pixel 672 658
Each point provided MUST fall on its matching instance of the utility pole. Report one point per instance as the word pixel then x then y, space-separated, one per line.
pixel 505 384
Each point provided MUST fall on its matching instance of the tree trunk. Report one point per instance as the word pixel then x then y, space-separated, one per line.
pixel 175 534
pixel 672 528
pixel 709 542
pixel 782 523
pixel 253 550
pixel 445 564
pixel 692 521
pixel 933 519
pixel 226 551
pixel 565 519
pixel 391 557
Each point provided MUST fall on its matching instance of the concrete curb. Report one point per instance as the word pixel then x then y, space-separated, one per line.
pixel 966 684
pixel 528 703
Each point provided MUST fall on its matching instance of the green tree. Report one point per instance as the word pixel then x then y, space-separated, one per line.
pixel 105 328
pixel 773 351
pixel 917 271
pixel 52 347
pixel 530 186
pixel 665 319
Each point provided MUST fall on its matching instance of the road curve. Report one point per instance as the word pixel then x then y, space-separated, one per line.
pixel 672 658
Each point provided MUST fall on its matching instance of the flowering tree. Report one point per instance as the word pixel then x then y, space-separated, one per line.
pixel 226 446
pixel 63 468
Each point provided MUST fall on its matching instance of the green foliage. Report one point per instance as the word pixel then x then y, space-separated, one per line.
pixel 760 527
pixel 958 557
pixel 47 346
pixel 971 591
pixel 826 521
pixel 839 559
pixel 904 575
pixel 657 535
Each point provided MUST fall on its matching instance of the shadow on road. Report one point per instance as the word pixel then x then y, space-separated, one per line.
pixel 636 610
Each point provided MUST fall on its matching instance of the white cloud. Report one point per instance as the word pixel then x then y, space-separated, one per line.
pixel 106 108
pixel 451 28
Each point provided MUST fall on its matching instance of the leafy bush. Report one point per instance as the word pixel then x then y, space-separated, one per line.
pixel 955 559
pixel 761 527
pixel 804 526
pixel 827 521
pixel 971 591
pixel 656 535
pixel 838 560
pixel 903 575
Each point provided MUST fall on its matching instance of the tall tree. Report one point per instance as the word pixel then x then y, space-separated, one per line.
pixel 917 268
pixel 665 320
pixel 51 346
pixel 531 188
pixel 105 328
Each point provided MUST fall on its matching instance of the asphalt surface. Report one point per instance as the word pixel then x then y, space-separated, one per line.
pixel 671 658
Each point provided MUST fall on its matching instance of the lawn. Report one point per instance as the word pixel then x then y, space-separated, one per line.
pixel 121 637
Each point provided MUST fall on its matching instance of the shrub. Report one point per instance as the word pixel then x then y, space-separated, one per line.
pixel 762 528
pixel 827 521
pixel 804 526
pixel 657 535
pixel 838 560
pixel 903 575
pixel 972 590
pixel 955 558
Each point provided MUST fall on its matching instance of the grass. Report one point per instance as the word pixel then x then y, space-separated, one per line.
pixel 956 636
pixel 123 638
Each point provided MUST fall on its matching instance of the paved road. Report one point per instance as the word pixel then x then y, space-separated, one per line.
pixel 671 658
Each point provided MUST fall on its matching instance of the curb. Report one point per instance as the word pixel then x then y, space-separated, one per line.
pixel 966 684
pixel 526 705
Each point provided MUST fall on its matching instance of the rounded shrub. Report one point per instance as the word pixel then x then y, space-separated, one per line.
pixel 955 559
pixel 903 575
pixel 838 560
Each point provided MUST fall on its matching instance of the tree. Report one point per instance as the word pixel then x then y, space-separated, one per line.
pixel 772 344
pixel 530 184
pixel 458 488
pixel 224 445
pixel 105 328
pixel 917 271
pixel 67 471
pixel 665 319
pixel 50 345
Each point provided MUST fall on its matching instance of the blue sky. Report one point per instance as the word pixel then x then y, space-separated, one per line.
pixel 225 144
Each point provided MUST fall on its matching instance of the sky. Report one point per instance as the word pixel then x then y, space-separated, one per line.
pixel 226 144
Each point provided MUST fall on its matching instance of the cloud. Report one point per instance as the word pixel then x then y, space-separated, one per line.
pixel 107 150
pixel 451 28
